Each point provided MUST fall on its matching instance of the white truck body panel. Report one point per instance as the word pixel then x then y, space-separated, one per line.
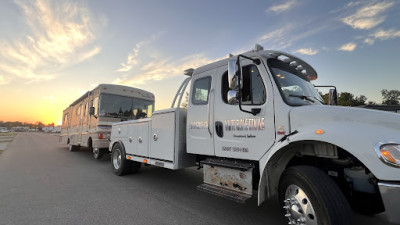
pixel 246 136
pixel 158 141
pixel 163 136
pixel 138 138
pixel 356 130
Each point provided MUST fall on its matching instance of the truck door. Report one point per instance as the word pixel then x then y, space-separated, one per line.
pixel 200 114
pixel 241 134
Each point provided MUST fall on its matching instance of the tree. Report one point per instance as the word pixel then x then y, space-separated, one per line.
pixel 359 100
pixel 185 102
pixel 390 97
pixel 346 99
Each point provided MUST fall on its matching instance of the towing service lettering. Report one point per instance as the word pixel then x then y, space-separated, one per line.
pixel 256 124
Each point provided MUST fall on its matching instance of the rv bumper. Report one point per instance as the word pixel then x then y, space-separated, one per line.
pixel 101 143
pixel 390 193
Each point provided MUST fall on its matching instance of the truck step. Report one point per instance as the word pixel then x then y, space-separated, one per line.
pixel 225 193
pixel 233 164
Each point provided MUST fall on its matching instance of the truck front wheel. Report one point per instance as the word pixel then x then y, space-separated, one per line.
pixel 309 196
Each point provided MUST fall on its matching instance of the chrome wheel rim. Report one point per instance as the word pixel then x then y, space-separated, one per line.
pixel 117 158
pixel 299 209
pixel 96 153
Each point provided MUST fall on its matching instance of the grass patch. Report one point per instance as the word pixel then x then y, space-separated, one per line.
pixel 6 138
pixel 8 134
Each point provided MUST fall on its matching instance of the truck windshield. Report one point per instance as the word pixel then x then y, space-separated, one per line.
pixel 295 87
pixel 123 107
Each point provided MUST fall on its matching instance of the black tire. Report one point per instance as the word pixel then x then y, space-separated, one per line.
pixel 306 188
pixel 73 148
pixel 99 153
pixel 120 165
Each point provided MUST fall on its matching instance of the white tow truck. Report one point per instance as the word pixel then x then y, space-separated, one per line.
pixel 257 126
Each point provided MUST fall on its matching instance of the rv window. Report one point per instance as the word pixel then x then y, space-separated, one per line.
pixel 201 88
pixel 125 107
pixel 84 109
pixel 95 104
pixel 78 110
pixel 65 121
pixel 142 108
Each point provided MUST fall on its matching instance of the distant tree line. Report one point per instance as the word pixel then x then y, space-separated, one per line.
pixel 389 97
pixel 38 125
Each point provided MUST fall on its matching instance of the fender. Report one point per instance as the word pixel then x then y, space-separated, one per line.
pixel 115 142
pixel 358 139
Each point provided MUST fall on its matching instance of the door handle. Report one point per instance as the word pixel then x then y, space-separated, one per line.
pixel 219 128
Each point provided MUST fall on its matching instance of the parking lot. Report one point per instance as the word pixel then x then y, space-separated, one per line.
pixel 41 182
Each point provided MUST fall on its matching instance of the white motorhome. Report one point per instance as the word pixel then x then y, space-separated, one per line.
pixel 87 121
pixel 257 126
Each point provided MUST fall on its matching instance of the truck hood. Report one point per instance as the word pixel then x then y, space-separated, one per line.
pixel 309 115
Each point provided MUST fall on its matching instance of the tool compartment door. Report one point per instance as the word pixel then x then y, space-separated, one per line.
pixel 163 135
pixel 138 138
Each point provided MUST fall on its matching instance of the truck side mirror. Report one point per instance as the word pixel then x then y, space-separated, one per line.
pixel 91 111
pixel 233 74
pixel 332 97
pixel 232 97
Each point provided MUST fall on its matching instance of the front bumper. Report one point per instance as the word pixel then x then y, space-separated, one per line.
pixel 390 193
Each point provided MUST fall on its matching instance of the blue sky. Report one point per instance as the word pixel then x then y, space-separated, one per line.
pixel 53 51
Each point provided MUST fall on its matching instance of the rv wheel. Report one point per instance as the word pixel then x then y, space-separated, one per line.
pixel 98 153
pixel 73 148
pixel 309 196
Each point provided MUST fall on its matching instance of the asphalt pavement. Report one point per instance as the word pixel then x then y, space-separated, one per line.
pixel 41 182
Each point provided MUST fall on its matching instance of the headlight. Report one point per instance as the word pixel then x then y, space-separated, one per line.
pixel 389 153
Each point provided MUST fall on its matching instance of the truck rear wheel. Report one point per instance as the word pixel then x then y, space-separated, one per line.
pixel 120 164
pixel 309 196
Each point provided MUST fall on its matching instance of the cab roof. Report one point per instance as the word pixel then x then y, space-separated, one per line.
pixel 259 52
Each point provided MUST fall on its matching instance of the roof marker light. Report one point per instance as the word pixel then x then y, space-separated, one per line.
pixel 258 47
pixel 188 72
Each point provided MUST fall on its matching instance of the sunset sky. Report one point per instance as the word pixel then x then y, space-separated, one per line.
pixel 51 52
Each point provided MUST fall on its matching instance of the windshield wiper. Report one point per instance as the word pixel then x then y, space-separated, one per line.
pixel 322 102
pixel 308 98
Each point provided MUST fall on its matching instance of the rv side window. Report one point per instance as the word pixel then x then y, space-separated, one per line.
pixel 65 121
pixel 78 110
pixel 84 109
pixel 95 104
pixel 200 92
pixel 253 91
